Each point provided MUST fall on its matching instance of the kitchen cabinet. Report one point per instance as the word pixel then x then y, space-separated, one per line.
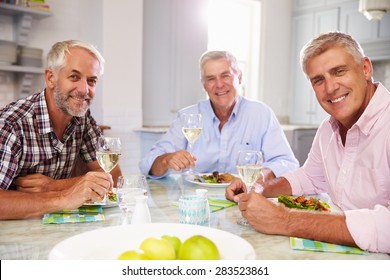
pixel 175 36
pixel 374 36
pixel 22 19
pixel 300 139
pixel 305 108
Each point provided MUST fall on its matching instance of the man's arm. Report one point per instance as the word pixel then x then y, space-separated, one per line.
pixel 42 183
pixel 271 218
pixel 21 205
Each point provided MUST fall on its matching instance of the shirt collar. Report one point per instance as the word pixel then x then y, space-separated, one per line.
pixel 42 113
pixel 235 109
pixel 43 117
pixel 378 103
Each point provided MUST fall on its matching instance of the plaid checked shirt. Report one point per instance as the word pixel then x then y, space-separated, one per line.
pixel 29 145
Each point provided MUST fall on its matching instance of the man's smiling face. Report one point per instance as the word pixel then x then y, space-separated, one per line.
pixel 221 82
pixel 340 84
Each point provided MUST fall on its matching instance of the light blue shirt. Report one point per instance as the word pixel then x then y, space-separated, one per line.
pixel 251 126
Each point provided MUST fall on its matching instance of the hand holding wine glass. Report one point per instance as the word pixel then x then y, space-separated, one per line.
pixel 191 127
pixel 108 153
pixel 249 164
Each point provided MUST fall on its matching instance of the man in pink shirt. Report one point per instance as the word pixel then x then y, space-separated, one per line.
pixel 349 158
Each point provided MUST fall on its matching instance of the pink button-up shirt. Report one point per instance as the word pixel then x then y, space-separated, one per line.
pixel 357 175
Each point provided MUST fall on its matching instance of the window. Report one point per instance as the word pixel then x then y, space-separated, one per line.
pixel 234 25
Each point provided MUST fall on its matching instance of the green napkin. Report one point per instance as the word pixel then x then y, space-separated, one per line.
pixel 318 246
pixel 83 214
pixel 219 204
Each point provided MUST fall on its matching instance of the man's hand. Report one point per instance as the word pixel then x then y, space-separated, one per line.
pixel 235 188
pixel 262 214
pixel 89 188
pixel 35 183
pixel 177 161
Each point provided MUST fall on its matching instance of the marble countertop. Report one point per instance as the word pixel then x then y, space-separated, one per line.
pixel 163 129
pixel 30 239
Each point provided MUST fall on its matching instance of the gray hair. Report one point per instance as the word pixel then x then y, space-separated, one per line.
pixel 326 41
pixel 215 55
pixel 56 56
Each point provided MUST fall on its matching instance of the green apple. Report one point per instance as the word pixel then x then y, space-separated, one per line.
pixel 133 255
pixel 158 249
pixel 174 241
pixel 198 247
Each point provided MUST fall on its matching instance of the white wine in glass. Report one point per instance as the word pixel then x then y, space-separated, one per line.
pixel 107 160
pixel 191 134
pixel 249 167
pixel 191 127
pixel 108 153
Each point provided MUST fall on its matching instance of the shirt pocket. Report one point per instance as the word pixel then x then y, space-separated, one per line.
pixel 369 187
pixel 245 146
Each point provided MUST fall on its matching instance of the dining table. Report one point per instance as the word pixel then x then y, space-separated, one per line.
pixel 31 239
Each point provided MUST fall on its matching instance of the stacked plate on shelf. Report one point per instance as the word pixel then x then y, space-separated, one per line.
pixel 8 52
pixel 30 56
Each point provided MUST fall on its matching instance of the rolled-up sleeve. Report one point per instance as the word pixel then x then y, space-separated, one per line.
pixel 370 228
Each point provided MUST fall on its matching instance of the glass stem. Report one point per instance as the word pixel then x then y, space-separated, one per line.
pixel 190 150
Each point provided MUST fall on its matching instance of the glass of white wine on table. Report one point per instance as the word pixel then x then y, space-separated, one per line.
pixel 191 127
pixel 107 154
pixel 249 167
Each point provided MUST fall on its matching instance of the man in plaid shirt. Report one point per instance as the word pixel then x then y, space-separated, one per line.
pixel 43 135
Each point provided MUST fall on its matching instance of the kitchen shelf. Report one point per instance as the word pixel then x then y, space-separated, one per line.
pixel 22 69
pixel 13 10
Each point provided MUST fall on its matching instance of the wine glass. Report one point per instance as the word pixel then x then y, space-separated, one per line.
pixel 191 127
pixel 249 164
pixel 107 154
pixel 128 188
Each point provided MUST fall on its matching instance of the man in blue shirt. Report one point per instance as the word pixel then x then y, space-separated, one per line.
pixel 231 123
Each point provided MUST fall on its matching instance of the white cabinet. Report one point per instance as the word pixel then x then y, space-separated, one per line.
pixel 22 19
pixel 356 24
pixel 374 36
pixel 175 36
pixel 305 108
pixel 300 139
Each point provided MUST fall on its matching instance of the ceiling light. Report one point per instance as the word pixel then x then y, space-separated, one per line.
pixel 374 9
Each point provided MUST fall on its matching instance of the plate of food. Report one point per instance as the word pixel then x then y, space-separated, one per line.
pixel 123 238
pixel 214 179
pixel 304 202
pixel 112 201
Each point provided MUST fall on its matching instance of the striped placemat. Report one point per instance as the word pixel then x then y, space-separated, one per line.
pixel 318 246
pixel 80 215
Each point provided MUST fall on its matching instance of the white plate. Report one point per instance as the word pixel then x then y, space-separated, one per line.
pixel 89 245
pixel 218 185
pixel 107 204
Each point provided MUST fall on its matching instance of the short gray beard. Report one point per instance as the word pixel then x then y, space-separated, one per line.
pixel 63 104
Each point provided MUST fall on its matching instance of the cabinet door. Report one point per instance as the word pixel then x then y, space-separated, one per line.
pixel 305 108
pixel 384 27
pixel 307 4
pixel 302 95
pixel 324 21
pixel 356 24
pixel 174 39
